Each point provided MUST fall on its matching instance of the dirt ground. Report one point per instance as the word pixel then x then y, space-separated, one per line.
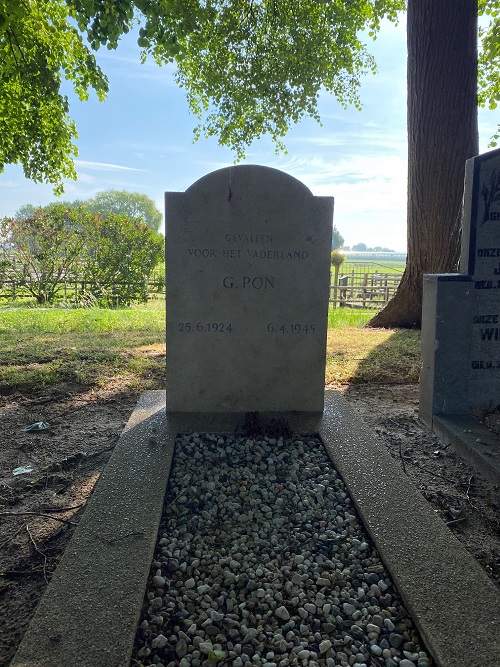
pixel 39 509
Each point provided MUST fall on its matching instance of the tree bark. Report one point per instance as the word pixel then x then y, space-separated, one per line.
pixel 442 135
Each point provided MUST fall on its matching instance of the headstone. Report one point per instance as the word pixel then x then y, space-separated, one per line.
pixel 248 281
pixel 461 312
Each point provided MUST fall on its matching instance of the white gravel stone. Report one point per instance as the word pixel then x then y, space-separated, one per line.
pixel 325 645
pixel 159 642
pixel 267 562
pixel 282 612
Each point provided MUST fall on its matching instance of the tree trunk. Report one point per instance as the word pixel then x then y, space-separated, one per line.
pixel 442 135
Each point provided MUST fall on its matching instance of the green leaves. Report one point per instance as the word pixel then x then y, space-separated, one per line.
pixel 46 248
pixel 489 60
pixel 249 67
pixel 132 204
pixel 258 67
pixel 38 46
pixel 119 256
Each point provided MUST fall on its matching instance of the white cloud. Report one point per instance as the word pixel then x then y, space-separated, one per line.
pixel 103 166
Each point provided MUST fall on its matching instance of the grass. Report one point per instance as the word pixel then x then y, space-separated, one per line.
pixel 40 348
pixel 50 348
pixel 340 318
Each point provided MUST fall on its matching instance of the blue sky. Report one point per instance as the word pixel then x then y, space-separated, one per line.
pixel 140 139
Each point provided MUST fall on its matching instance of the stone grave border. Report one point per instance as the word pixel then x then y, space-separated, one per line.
pixel 89 613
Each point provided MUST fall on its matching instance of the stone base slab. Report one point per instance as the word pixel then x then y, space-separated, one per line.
pixel 472 440
pixel 89 613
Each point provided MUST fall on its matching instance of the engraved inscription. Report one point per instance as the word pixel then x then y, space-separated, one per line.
pixel 485 365
pixel 489 334
pixel 248 282
pixel 485 319
pixel 290 328
pixel 202 252
pixel 488 252
pixel 208 327
pixel 248 238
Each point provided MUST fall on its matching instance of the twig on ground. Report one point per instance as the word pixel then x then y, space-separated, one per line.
pixel 430 472
pixel 468 488
pixel 454 521
pixel 41 554
pixel 47 516
pixel 467 491
pixel 63 509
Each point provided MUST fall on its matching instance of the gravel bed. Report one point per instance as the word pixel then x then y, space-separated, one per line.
pixel 262 560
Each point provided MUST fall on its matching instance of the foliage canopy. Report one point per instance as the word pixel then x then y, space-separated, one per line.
pixel 134 205
pixel 130 204
pixel 249 67
pixel 38 47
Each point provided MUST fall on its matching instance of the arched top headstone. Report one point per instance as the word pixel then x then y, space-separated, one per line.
pixel 248 278
pixel 254 179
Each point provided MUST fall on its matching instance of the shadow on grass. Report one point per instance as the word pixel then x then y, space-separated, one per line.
pixel 377 356
pixel 396 360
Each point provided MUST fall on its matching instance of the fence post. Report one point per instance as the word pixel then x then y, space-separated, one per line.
pixel 335 284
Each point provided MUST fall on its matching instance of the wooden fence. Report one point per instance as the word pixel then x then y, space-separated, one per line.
pixel 357 289
pixel 71 290
pixel 349 289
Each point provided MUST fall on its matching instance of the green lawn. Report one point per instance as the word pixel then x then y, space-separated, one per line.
pixel 42 348
pixel 381 266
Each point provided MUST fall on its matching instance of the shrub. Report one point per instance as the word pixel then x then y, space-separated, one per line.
pixel 119 258
pixel 45 248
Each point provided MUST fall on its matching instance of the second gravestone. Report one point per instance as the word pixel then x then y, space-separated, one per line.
pixel 461 312
pixel 248 281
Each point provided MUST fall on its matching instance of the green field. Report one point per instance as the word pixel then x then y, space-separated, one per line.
pixel 382 266
pixel 49 348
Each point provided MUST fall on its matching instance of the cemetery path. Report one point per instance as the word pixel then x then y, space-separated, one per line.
pixel 38 508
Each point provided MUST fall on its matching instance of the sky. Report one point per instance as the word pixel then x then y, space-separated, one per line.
pixel 141 140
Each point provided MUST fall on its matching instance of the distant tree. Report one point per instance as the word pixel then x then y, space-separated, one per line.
pixel 46 247
pixel 25 211
pixel 131 204
pixel 337 238
pixel 360 247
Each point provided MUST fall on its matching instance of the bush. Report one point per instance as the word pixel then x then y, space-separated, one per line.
pixel 114 257
pixel 45 248
pixel 119 259
pixel 337 258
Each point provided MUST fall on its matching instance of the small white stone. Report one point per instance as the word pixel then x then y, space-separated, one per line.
pixel 206 647
pixel 324 646
pixel 159 581
pixel 159 642
pixel 282 612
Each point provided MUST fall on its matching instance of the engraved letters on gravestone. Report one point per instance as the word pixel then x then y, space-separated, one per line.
pixel 248 279
pixel 481 259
